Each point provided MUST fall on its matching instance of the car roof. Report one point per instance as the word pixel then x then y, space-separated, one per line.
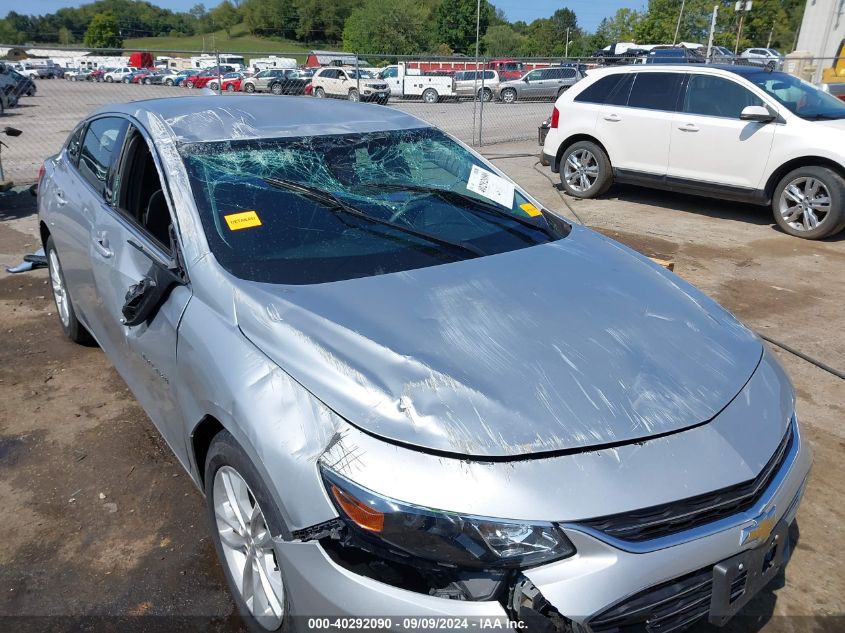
pixel 737 69
pixel 221 118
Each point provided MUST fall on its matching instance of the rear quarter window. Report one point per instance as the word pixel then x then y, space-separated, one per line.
pixel 600 90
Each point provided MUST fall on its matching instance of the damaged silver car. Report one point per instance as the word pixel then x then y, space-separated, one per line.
pixel 407 389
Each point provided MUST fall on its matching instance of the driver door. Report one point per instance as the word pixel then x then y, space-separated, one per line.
pixel 131 236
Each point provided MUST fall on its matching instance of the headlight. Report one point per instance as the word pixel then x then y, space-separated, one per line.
pixel 446 537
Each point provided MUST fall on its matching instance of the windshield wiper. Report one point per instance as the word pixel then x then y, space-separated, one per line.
pixel 331 201
pixel 451 196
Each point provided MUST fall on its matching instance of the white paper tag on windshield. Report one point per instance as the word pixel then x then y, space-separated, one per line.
pixel 491 186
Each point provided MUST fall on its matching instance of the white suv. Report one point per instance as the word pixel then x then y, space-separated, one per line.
pixel 118 74
pixel 348 83
pixel 731 132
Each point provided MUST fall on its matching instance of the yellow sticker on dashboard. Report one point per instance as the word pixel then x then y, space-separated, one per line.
pixel 530 209
pixel 242 220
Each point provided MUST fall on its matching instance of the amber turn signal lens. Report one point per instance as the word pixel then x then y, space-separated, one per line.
pixel 363 516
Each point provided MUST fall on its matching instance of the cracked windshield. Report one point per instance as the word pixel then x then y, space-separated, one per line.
pixel 327 208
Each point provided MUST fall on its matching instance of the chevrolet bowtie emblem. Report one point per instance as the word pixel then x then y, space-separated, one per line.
pixel 760 528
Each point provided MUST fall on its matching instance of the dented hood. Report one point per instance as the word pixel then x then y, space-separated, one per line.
pixel 562 346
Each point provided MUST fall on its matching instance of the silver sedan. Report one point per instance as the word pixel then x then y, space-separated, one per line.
pixel 405 388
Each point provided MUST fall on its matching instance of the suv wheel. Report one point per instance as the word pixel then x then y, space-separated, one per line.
pixel 109 79
pixel 168 82
pixel 276 89
pixel 353 95
pixel 585 170
pixel 319 93
pixel 250 88
pixel 485 94
pixel 508 95
pixel 430 95
pixel 243 519
pixel 808 203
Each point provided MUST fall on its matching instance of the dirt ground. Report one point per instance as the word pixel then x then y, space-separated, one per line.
pixel 101 523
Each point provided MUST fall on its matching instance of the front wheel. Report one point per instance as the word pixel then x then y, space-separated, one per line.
pixel 71 326
pixel 508 95
pixel 485 94
pixel 109 79
pixel 276 89
pixel 147 82
pixel 319 93
pixel 808 202
pixel 189 85
pixel 585 170
pixel 230 88
pixel 168 82
pixel 353 95
pixel 250 88
pixel 244 519
pixel 127 80
pixel 430 95
pixel 213 85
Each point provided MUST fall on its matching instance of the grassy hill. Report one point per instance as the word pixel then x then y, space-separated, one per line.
pixel 240 41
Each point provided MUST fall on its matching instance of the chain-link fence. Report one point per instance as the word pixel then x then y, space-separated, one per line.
pixel 490 101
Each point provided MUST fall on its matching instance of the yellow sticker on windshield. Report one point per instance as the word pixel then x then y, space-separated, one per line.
pixel 243 220
pixel 530 209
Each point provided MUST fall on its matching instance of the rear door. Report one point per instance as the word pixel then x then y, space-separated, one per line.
pixel 135 234
pixel 635 125
pixel 710 143
pixel 534 86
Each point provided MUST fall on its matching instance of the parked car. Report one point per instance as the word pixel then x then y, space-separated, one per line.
pixel 722 55
pixel 676 55
pixel 541 83
pixel 159 77
pixel 32 71
pixel 8 89
pixel 202 79
pixel 233 82
pixel 732 132
pixel 180 77
pixel 408 389
pixel 582 68
pixel 98 74
pixel 23 86
pixel 347 83
pixel 79 74
pixel 480 84
pixel 289 81
pixel 138 76
pixel 119 74
pixel 767 57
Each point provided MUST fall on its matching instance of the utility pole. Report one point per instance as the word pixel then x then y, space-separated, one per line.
pixel 771 33
pixel 566 53
pixel 712 31
pixel 678 25
pixel 742 7
pixel 475 84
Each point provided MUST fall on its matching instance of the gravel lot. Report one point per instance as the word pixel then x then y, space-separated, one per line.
pixel 47 118
pixel 101 521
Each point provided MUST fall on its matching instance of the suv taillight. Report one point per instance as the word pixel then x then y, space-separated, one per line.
pixel 555 117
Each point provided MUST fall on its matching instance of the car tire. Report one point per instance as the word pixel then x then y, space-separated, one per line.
pixel 147 82
pixel 250 88
pixel 231 480
pixel 189 85
pixel 276 89
pixel 230 88
pixel 596 176
pixel 430 95
pixel 354 95
pixel 109 79
pixel 168 82
pixel 485 94
pixel 126 80
pixel 508 95
pixel 797 205
pixel 212 85
pixel 319 93
pixel 71 326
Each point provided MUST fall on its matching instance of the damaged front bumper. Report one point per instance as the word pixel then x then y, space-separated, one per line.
pixel 607 583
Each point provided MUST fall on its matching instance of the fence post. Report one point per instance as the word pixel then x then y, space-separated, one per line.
pixel 219 75
pixel 481 99
pixel 357 76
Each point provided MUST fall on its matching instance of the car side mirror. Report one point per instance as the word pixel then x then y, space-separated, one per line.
pixel 144 298
pixel 760 114
pixel 525 79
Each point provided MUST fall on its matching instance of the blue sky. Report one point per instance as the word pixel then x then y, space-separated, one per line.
pixel 589 12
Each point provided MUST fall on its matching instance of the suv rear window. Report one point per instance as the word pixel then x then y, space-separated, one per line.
pixel 656 91
pixel 599 91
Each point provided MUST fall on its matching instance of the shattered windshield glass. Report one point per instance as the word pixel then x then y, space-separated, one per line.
pixel 326 208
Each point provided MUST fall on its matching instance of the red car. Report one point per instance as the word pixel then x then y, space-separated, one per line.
pixel 138 77
pixel 201 80
pixel 232 82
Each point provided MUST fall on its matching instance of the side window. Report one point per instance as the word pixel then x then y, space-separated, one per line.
pixel 599 91
pixel 656 91
pixel 716 96
pixel 619 95
pixel 534 75
pixel 489 74
pixel 140 194
pixel 390 72
pixel 568 73
pixel 74 144
pixel 100 148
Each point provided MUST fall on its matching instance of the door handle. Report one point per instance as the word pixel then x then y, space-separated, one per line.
pixel 101 244
pixel 60 198
pixel 613 118
pixel 688 127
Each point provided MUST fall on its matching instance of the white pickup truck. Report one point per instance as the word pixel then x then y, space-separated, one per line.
pixel 411 83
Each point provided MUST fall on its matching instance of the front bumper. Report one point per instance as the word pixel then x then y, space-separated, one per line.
pixel 602 578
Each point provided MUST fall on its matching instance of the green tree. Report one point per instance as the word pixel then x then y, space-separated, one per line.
pixel 398 28
pixel 620 27
pixel 225 16
pixel 456 23
pixel 103 32
pixel 501 40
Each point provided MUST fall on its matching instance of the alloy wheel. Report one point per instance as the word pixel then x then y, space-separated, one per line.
pixel 804 203
pixel 581 170
pixel 509 96
pixel 248 548
pixel 59 292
